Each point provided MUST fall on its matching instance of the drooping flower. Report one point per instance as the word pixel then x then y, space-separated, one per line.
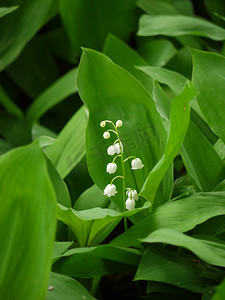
pixel 106 135
pixel 111 168
pixel 136 164
pixel 132 194
pixel 110 190
pixel 119 123
pixel 117 147
pixel 130 204
pixel 103 123
pixel 111 150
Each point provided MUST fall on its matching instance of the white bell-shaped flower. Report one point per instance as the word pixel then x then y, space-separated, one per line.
pixel 136 164
pixel 132 194
pixel 111 168
pixel 110 190
pixel 119 123
pixel 103 123
pixel 111 150
pixel 130 204
pixel 106 135
pixel 117 147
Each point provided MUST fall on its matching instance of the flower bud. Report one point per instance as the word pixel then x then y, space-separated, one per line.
pixel 136 164
pixel 132 194
pixel 111 168
pixel 103 123
pixel 110 190
pixel 117 147
pixel 119 123
pixel 106 135
pixel 111 150
pixel 130 204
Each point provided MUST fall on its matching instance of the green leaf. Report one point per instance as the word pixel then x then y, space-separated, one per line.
pixel 60 248
pixel 66 154
pixel 156 7
pixel 158 264
pixel 211 252
pixel 127 58
pixel 61 89
pixel 94 261
pixel 179 121
pixel 7 10
pixel 14 32
pixel 179 25
pixel 158 52
pixel 8 104
pixel 182 215
pixel 121 97
pixel 66 288
pixel 27 222
pixel 91 226
pixel 101 16
pixel 35 69
pixel 209 78
pixel 92 197
pixel 220 291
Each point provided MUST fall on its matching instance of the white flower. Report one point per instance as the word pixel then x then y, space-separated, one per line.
pixel 130 204
pixel 111 150
pixel 110 190
pixel 119 123
pixel 133 195
pixel 103 123
pixel 117 147
pixel 111 168
pixel 106 135
pixel 136 164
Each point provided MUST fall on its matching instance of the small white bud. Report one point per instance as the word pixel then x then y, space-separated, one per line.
pixel 119 123
pixel 136 164
pixel 103 123
pixel 111 150
pixel 110 190
pixel 130 204
pixel 132 194
pixel 117 147
pixel 106 135
pixel 111 168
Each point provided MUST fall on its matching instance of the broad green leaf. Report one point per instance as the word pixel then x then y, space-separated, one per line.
pixel 179 25
pixel 173 79
pixel 211 252
pixel 5 146
pixel 157 52
pixel 91 226
pixel 179 121
pixel 66 288
pixel 101 16
pixel 94 261
pixel 14 30
pixel 156 7
pixel 70 149
pixel 121 96
pixel 220 148
pixel 92 197
pixel 62 88
pixel 182 215
pixel 127 58
pixel 60 248
pixel 220 291
pixel 158 264
pixel 7 10
pixel 38 130
pixel 8 104
pixel 35 69
pixel 209 79
pixel 27 222
pixel 197 165
pixel 45 141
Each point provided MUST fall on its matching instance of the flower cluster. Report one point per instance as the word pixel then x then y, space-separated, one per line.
pixel 117 149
